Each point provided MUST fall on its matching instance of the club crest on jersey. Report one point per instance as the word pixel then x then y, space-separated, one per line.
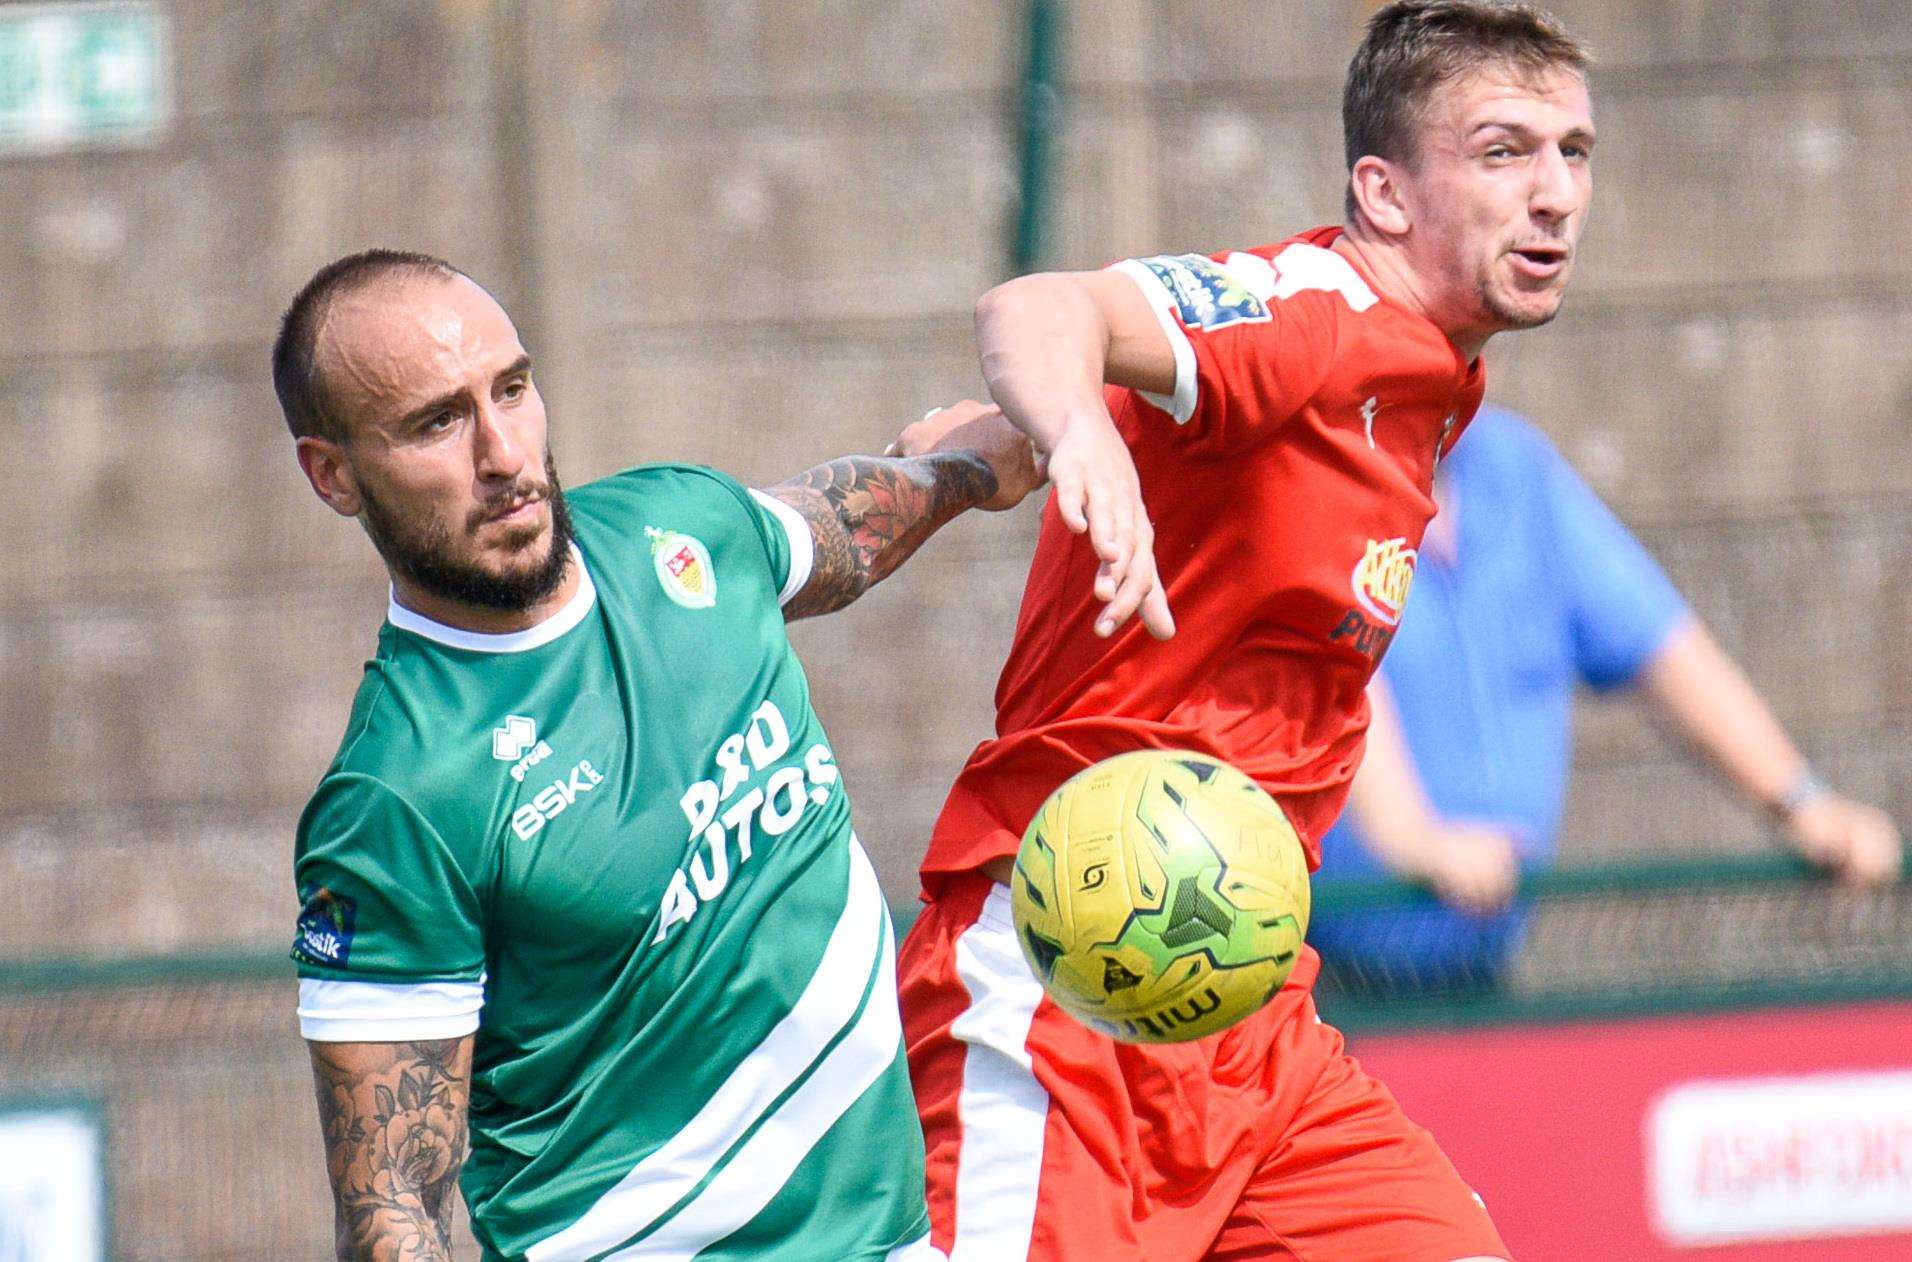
pixel 1206 294
pixel 1382 578
pixel 683 568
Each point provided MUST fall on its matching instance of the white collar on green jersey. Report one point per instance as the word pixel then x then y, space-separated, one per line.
pixel 510 641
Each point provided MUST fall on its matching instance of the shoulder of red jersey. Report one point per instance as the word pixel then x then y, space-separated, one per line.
pixel 1197 296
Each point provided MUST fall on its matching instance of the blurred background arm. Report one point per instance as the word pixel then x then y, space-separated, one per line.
pixel 1468 865
pixel 1709 701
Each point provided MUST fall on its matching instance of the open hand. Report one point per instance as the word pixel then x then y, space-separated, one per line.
pixel 1097 492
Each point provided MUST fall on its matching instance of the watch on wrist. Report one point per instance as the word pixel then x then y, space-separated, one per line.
pixel 1805 788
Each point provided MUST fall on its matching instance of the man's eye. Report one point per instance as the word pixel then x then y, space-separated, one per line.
pixel 1499 151
pixel 515 390
pixel 440 420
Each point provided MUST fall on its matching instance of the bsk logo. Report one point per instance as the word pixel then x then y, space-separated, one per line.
pixel 518 734
pixel 528 820
pixel 512 740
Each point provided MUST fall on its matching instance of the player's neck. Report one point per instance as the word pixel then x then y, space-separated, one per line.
pixel 464 616
pixel 1387 265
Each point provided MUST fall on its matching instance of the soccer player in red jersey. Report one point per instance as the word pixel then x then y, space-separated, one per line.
pixel 1280 411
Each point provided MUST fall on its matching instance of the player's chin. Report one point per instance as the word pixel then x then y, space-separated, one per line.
pixel 1520 309
pixel 513 556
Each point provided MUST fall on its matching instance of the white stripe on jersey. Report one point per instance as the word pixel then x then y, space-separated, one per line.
pixel 859 945
pixel 1003 1107
pixel 768 1158
pixel 1180 405
pixel 803 545
pixel 387 1012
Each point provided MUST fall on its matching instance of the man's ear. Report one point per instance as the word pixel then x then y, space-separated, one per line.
pixel 1380 196
pixel 330 475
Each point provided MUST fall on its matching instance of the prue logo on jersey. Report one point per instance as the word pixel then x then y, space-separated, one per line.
pixel 323 935
pixel 683 568
pixel 1381 580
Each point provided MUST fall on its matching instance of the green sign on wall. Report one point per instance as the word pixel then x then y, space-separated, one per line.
pixel 82 75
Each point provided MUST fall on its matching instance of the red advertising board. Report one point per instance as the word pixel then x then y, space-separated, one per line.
pixel 1772 1135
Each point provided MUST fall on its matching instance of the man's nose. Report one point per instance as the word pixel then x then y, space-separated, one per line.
pixel 1555 194
pixel 500 449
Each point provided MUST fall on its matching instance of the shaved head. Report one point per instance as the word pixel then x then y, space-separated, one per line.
pixel 412 408
pixel 297 375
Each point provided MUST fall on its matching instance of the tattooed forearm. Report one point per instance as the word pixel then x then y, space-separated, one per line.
pixel 394 1116
pixel 870 513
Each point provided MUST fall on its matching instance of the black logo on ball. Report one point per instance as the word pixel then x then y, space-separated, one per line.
pixel 1115 977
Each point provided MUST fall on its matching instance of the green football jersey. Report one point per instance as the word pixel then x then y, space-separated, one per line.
pixel 616 847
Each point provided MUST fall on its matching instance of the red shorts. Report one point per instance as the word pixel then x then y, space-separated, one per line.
pixel 1049 1141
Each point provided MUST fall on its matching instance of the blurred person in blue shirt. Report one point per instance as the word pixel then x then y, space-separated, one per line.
pixel 1527 586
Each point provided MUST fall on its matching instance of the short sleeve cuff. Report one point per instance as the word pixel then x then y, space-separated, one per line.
pixel 1627 661
pixel 803 545
pixel 387 1012
pixel 1180 405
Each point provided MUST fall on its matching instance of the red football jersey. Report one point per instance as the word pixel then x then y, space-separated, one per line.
pixel 1289 479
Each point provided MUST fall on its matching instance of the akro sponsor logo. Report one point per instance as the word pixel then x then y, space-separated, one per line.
pixel 1382 578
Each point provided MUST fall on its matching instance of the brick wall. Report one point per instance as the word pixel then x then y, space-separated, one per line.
pixel 750 235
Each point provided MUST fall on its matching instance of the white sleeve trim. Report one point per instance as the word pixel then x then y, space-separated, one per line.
pixel 803 545
pixel 1180 405
pixel 387 1012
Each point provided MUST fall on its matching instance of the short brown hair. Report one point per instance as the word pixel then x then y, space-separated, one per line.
pixel 1414 46
pixel 295 373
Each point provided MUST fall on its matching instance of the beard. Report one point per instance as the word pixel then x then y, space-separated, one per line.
pixel 425 553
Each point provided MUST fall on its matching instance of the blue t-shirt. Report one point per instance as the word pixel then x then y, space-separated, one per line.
pixel 1546 589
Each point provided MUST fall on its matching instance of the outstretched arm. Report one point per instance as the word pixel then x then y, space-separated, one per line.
pixel 1713 705
pixel 1049 342
pixel 868 514
pixel 1472 866
pixel 394 1117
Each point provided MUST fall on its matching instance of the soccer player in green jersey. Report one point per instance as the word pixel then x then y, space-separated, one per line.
pixel 579 891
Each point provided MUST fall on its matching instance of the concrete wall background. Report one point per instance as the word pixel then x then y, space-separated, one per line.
pixel 749 234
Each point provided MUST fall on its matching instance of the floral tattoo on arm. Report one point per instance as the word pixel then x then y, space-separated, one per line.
pixel 869 513
pixel 394 1116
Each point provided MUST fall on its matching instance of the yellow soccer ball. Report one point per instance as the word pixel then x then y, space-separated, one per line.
pixel 1160 896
